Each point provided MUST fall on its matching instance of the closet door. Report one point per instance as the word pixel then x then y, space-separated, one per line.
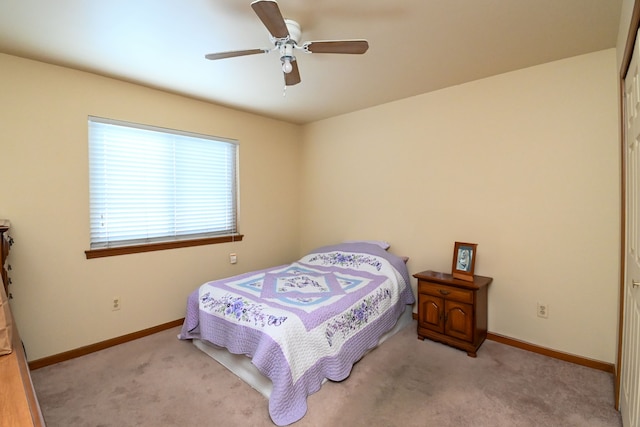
pixel 630 368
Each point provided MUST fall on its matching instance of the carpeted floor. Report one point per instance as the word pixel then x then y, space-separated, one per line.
pixel 161 381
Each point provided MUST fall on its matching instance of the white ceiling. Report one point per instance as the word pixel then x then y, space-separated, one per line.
pixel 416 46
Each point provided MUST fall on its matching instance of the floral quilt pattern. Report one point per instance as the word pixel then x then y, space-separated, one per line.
pixel 241 309
pixel 357 317
pixel 349 260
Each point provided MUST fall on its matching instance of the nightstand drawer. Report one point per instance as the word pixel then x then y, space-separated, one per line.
pixel 450 292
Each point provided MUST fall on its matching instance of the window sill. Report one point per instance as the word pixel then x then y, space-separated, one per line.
pixel 134 249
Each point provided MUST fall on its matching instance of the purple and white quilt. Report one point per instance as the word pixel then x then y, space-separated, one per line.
pixel 306 321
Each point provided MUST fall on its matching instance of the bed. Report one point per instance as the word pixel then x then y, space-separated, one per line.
pixel 304 322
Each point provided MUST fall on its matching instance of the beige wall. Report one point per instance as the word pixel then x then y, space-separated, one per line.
pixel 526 164
pixel 62 300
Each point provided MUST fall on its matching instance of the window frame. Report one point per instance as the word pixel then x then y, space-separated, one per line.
pixel 159 246
pixel 184 241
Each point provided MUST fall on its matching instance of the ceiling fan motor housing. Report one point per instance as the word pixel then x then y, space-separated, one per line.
pixel 294 30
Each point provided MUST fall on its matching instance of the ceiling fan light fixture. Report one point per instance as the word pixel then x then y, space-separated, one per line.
pixel 286 56
pixel 286 65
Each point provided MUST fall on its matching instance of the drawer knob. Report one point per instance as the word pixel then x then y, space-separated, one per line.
pixel 443 292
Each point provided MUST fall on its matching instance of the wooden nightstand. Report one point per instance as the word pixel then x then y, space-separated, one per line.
pixel 452 311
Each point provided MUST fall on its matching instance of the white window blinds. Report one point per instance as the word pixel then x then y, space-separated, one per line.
pixel 152 185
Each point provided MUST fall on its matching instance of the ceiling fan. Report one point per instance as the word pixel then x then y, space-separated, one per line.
pixel 285 35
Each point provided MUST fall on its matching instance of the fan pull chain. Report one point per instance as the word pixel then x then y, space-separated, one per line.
pixel 284 91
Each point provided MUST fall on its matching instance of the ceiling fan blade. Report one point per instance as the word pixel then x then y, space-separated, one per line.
pixel 234 53
pixel 269 13
pixel 337 46
pixel 292 78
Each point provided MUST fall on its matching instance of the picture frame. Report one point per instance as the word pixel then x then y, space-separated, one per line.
pixel 464 260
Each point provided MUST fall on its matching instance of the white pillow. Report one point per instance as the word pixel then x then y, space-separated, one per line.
pixel 384 245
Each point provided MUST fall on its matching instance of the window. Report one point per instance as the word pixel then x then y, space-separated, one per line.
pixel 153 186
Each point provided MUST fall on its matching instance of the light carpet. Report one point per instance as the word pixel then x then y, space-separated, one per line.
pixel 161 381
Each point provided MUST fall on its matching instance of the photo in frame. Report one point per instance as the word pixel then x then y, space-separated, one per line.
pixel 464 260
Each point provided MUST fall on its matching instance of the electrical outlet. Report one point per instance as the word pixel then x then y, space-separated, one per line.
pixel 115 304
pixel 543 310
pixel 233 258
